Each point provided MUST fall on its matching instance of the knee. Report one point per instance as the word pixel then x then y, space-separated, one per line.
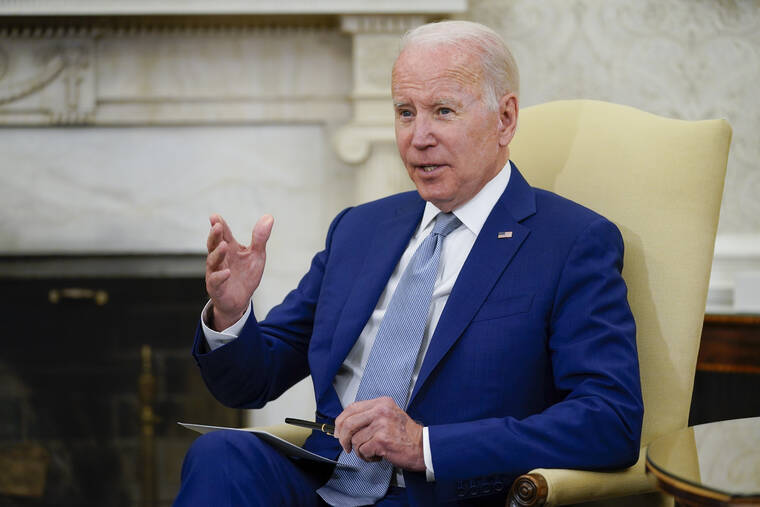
pixel 225 446
pixel 207 446
pixel 212 445
pixel 241 468
pixel 203 473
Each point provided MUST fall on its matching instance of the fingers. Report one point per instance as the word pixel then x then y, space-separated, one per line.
pixel 261 232
pixel 344 432
pixel 360 415
pixel 216 257
pixel 378 429
pixel 214 236
pixel 216 270
pixel 232 272
pixel 351 425
pixel 366 446
pixel 221 229
pixel 215 279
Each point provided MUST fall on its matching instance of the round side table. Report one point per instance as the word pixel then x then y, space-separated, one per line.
pixel 709 464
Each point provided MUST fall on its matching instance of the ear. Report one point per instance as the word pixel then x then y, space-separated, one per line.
pixel 508 111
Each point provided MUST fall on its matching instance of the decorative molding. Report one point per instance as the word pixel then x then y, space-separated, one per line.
pixel 147 71
pixel 353 143
pixel 368 140
pixel 10 92
pixel 48 32
pixel 3 63
pixel 61 73
pixel 152 75
pixel 78 104
pixel 196 7
pixel 365 24
pixel 137 28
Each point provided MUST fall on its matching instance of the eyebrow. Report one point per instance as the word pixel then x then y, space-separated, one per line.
pixel 443 101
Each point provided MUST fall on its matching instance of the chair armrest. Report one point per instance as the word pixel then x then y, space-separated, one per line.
pixel 293 434
pixel 542 486
pixel 550 487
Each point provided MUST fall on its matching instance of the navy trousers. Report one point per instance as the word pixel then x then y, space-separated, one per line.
pixel 234 468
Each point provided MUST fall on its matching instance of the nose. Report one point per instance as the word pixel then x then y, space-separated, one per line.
pixel 423 136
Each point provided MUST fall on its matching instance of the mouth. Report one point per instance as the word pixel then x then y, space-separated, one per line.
pixel 428 168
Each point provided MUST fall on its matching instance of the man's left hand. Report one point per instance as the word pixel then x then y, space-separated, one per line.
pixel 378 429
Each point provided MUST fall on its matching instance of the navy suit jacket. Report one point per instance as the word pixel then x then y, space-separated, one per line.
pixel 533 362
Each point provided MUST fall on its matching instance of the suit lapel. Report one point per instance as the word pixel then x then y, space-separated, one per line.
pixel 386 245
pixel 488 258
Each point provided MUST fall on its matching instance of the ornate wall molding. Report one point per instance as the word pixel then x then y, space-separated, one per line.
pixel 213 110
pixel 386 24
pixel 78 77
pixel 47 72
pixel 3 63
pixel 136 70
pixel 151 75
pixel 127 7
pixel 55 74
pixel 368 140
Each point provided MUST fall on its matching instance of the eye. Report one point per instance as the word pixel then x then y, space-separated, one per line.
pixel 444 111
pixel 404 113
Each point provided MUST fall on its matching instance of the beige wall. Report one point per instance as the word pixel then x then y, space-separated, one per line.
pixel 679 58
pixel 688 59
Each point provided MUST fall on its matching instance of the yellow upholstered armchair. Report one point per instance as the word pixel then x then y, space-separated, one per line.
pixel 660 180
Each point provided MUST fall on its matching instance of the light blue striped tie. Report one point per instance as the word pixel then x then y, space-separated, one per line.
pixel 390 364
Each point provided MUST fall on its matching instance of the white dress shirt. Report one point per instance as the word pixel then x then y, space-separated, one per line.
pixel 456 248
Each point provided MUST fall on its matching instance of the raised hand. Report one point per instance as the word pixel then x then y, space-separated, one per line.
pixel 233 271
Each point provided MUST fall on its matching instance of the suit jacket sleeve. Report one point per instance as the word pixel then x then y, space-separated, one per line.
pixel 592 351
pixel 268 357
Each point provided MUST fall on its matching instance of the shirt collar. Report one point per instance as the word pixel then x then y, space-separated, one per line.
pixel 473 213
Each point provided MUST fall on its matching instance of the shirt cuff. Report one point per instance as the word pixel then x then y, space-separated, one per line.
pixel 216 339
pixel 429 473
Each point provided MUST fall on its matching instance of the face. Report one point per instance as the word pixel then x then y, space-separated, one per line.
pixel 449 141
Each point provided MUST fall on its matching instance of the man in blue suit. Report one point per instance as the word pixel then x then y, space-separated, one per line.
pixel 527 356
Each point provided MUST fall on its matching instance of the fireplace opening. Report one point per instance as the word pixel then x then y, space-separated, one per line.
pixel 73 361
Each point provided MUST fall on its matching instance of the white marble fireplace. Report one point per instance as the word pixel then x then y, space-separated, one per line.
pixel 123 125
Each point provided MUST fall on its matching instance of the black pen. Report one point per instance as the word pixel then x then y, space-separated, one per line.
pixel 329 429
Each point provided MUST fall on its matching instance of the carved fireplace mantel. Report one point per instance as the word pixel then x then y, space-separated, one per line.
pixel 99 62
pixel 244 77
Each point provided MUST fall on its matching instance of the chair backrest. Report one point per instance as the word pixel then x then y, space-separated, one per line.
pixel 661 181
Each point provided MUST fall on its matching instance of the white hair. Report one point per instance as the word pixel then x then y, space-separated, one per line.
pixel 500 74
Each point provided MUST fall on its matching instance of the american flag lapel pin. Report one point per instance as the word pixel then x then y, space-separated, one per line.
pixel 504 235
